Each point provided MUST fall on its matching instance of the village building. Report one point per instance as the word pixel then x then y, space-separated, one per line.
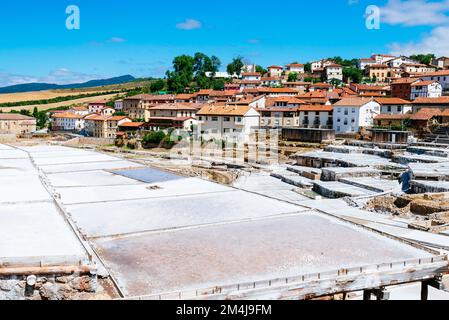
pixel 316 116
pixel 67 122
pixel 255 102
pixel 315 97
pixel 399 61
pixel 270 82
pixel 118 105
pixel 248 84
pixel 11 123
pixel 394 105
pixel 382 58
pixel 419 120
pixel 298 85
pixel 96 107
pixel 275 71
pixel 426 89
pixel 277 92
pixel 441 76
pixel 278 117
pixel 402 88
pixel 441 63
pixel 320 86
pixel 80 110
pixel 294 68
pixel 136 107
pixel 430 103
pixel 185 98
pixel 320 64
pixel 379 72
pixel 365 62
pixel 216 121
pixel 99 126
pixel 369 90
pixel 251 76
pixel 334 72
pixel 416 68
pixel 353 114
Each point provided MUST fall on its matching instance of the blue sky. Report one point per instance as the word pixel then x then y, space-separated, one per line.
pixel 140 37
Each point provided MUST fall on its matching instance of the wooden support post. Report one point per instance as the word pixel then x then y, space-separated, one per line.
pixel 366 294
pixel 381 294
pixel 424 290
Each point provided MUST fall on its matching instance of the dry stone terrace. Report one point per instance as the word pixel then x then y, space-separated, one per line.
pixel 160 235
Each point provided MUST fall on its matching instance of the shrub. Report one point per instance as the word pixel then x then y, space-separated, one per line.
pixel 153 139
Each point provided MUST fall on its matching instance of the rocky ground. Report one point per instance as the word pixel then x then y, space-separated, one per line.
pixel 430 212
pixel 72 287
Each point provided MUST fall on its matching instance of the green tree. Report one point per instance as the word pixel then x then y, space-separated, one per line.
pixel 355 75
pixel 182 74
pixel 235 66
pixel 308 67
pixel 261 70
pixel 157 85
pixel 218 84
pixel 292 77
pixel 423 58
pixel 35 112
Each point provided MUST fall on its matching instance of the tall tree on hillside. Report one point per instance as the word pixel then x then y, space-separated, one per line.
pixel 182 74
pixel 204 64
pixel 423 58
pixel 308 67
pixel 235 67
pixel 292 77
pixel 261 70
pixel 157 85
pixel 355 75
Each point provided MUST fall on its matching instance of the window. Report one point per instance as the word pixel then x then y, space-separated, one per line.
pixel 214 118
pixel 239 119
pixel 353 110
pixel 338 120
pixel 226 119
pixel 200 118
pixel 389 109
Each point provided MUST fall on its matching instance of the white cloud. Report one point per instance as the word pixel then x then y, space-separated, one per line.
pixel 189 24
pixel 58 76
pixel 436 42
pixel 415 12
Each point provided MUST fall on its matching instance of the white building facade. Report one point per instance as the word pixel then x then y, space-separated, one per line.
pixel 426 89
pixel 352 114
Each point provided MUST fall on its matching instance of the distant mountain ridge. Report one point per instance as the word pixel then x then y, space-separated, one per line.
pixel 26 87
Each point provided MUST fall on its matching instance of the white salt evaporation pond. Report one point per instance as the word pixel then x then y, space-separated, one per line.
pixel 159 233
pixel 33 233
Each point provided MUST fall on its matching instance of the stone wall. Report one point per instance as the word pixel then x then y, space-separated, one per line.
pixel 50 287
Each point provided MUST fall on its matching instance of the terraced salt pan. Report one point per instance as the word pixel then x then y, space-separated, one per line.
pixel 183 187
pixel 245 252
pixel 89 178
pixel 5 147
pixel 102 219
pixel 73 160
pixel 31 234
pixel 22 188
pixel 13 154
pixel 89 166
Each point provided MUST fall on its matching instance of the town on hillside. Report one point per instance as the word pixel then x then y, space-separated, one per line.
pixel 351 97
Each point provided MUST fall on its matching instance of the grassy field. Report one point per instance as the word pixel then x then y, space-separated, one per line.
pixel 38 95
pixel 42 107
pixel 49 94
